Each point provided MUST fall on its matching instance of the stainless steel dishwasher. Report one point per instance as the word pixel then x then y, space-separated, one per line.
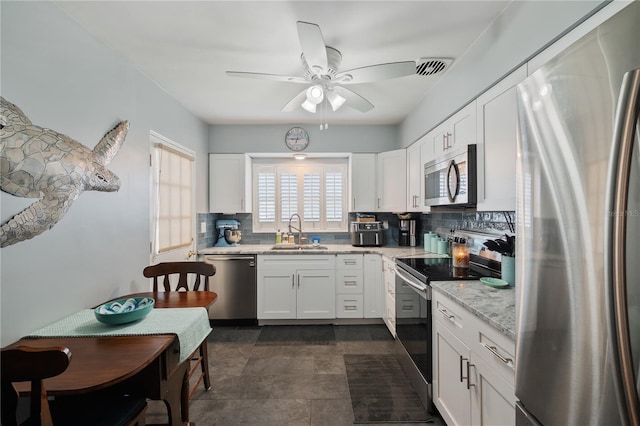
pixel 235 283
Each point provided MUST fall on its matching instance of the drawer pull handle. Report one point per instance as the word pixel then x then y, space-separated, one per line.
pixel 350 262
pixel 350 283
pixel 494 351
pixel 462 359
pixel 350 308
pixel 447 315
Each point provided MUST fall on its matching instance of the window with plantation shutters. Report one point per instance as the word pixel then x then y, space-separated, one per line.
pixel 266 199
pixel 315 189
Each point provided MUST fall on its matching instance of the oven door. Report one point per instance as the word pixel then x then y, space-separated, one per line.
pixel 451 180
pixel 413 320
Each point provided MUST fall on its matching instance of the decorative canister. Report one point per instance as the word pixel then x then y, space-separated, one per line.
pixel 442 246
pixel 508 269
pixel 427 241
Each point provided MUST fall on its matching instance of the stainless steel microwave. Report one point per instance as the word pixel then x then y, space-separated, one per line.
pixel 450 180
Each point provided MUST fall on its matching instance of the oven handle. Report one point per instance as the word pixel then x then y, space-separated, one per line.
pixel 413 283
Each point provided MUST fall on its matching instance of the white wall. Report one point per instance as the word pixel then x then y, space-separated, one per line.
pixel 523 29
pixel 270 138
pixel 64 79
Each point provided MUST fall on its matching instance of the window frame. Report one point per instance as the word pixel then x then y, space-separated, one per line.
pixel 281 166
pixel 158 145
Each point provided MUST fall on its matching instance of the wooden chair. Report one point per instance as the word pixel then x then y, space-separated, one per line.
pixel 199 273
pixel 28 364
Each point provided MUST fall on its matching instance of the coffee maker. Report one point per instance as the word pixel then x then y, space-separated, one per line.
pixel 407 230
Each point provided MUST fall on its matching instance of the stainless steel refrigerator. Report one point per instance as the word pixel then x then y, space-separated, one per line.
pixel 578 245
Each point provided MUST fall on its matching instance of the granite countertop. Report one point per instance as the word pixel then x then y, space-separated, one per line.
pixel 496 307
pixel 386 251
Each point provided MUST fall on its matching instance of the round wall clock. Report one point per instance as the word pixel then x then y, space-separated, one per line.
pixel 296 139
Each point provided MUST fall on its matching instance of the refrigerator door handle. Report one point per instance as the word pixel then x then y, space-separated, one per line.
pixel 626 120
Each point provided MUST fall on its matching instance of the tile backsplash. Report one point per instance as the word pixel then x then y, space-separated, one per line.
pixel 495 222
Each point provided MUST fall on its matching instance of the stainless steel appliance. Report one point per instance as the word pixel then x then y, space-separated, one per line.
pixel 229 233
pixel 578 227
pixel 451 179
pixel 367 234
pixel 407 231
pixel 235 282
pixel 413 316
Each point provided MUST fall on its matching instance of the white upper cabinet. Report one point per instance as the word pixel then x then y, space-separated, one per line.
pixel 392 181
pixel 363 183
pixel 229 183
pixel 497 134
pixel 457 131
pixel 418 154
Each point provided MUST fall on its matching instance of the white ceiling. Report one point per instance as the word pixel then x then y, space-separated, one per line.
pixel 186 47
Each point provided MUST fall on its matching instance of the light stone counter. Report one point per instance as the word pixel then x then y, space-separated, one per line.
pixel 495 306
pixel 386 251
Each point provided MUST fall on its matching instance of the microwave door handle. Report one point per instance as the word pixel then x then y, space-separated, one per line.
pixel 453 167
pixel 361 238
pixel 627 114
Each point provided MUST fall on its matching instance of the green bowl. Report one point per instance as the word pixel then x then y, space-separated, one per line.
pixel 124 311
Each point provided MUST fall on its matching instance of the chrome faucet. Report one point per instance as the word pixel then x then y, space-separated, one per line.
pixel 299 228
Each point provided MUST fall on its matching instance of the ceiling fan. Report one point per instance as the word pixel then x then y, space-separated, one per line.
pixel 323 76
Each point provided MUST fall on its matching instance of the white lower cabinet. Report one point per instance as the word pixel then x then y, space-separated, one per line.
pixel 374 289
pixel 473 376
pixel 349 286
pixel 296 287
pixel 389 275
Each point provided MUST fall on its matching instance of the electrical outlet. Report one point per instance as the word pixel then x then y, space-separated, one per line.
pixel 203 227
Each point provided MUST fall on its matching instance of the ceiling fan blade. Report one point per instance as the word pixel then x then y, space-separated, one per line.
pixel 353 99
pixel 377 72
pixel 295 102
pixel 313 47
pixel 262 76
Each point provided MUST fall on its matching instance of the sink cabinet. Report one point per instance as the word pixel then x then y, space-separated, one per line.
pixel 473 370
pixel 296 287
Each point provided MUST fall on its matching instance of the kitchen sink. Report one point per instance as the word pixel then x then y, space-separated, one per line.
pixel 297 247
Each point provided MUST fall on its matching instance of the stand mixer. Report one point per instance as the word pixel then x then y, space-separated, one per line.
pixel 228 233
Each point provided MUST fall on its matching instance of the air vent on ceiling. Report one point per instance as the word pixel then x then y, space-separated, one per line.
pixel 431 66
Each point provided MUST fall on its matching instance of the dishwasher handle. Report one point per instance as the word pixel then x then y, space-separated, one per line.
pixel 216 257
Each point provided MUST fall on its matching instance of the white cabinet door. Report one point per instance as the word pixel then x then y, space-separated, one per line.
pixel 493 399
pixel 363 183
pixel 415 175
pixel 497 133
pixel 390 300
pixel 456 132
pixel 296 286
pixel 392 181
pixel 316 293
pixel 229 183
pixel 374 289
pixel 450 393
pixel 277 294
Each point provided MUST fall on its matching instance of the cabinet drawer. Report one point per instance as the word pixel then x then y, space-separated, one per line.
pixel 496 349
pixel 349 306
pixel 349 281
pixel 349 261
pixel 453 317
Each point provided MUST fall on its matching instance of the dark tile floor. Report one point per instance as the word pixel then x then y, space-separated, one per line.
pixel 282 380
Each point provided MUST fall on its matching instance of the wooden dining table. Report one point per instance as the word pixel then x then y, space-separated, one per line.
pixel 148 365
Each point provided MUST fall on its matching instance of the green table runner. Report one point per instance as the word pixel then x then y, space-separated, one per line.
pixel 191 325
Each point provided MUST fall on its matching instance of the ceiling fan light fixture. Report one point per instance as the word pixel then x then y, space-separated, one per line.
pixel 335 100
pixel 315 94
pixel 309 106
